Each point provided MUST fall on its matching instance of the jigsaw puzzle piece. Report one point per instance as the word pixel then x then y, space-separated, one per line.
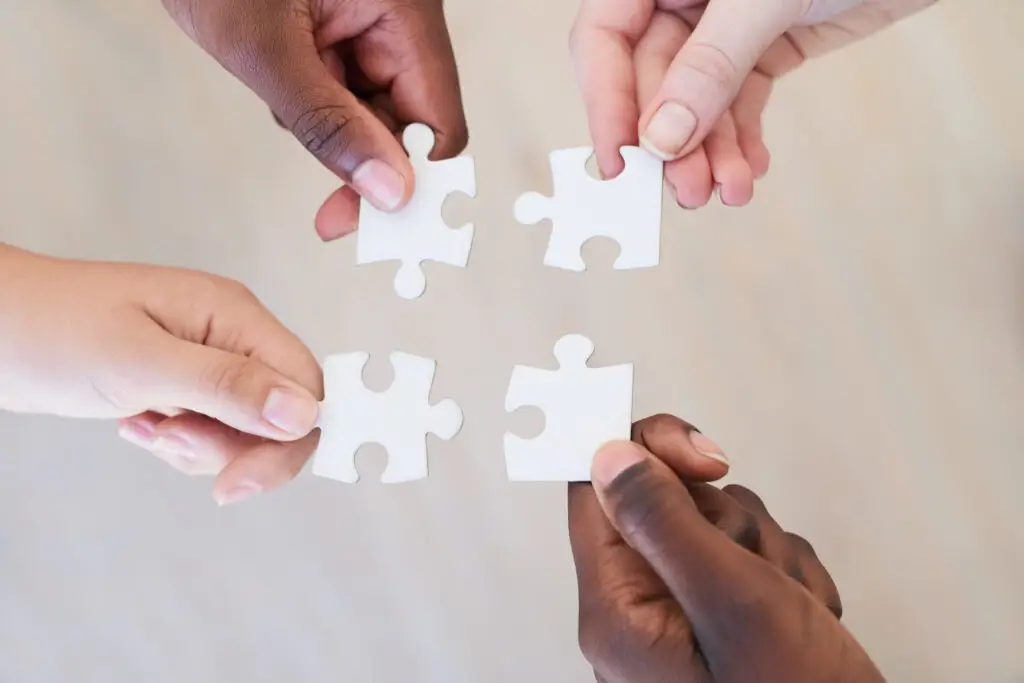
pixel 626 208
pixel 583 407
pixel 343 420
pixel 407 443
pixel 418 233
pixel 398 419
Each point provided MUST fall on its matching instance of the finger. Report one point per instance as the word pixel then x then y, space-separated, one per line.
pixel 727 515
pixel 817 580
pixel 690 177
pixel 601 43
pixel 141 430
pixel 690 454
pixel 729 168
pixel 224 315
pixel 241 392
pixel 339 214
pixel 410 49
pixel 277 57
pixel 706 572
pixel 708 71
pixel 263 467
pixel 623 605
pixel 774 546
pixel 790 553
pixel 747 111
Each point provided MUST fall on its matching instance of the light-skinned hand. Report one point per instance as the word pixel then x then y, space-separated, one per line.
pixel 689 79
pixel 196 369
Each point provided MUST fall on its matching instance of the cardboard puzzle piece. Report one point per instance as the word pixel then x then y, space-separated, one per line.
pixel 399 419
pixel 626 208
pixel 418 232
pixel 583 409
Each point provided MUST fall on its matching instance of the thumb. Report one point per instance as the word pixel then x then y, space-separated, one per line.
pixel 706 74
pixel 331 122
pixel 654 513
pixel 236 390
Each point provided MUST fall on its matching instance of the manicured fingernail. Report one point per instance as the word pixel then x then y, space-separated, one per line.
pixel 708 448
pixel 240 492
pixel 137 433
pixel 669 130
pixel 613 459
pixel 173 445
pixel 381 184
pixel 290 411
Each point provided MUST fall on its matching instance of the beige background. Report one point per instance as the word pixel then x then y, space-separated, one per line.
pixel 853 339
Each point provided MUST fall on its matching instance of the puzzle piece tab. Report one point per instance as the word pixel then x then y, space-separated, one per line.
pixel 399 419
pixel 583 408
pixel 418 233
pixel 626 208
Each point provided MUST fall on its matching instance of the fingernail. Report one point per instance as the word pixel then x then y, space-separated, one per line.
pixel 612 460
pixel 137 433
pixel 668 131
pixel 240 492
pixel 173 445
pixel 708 448
pixel 290 411
pixel 381 184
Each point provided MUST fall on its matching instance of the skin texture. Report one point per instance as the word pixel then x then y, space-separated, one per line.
pixel 714 62
pixel 681 581
pixel 197 370
pixel 344 76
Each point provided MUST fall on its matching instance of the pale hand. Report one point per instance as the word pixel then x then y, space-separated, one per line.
pixel 689 79
pixel 198 371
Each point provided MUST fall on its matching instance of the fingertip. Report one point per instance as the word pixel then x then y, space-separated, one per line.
pixel 613 459
pixel 384 185
pixel 338 216
pixel 690 177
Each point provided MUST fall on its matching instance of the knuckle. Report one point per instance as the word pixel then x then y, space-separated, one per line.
pixel 743 528
pixel 712 63
pixel 225 379
pixel 326 131
pixel 801 546
pixel 233 290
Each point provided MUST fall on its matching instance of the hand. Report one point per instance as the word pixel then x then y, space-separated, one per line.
pixel 199 372
pixel 689 79
pixel 685 582
pixel 343 76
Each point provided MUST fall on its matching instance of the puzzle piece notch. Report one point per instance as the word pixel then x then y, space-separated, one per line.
pixel 626 208
pixel 583 409
pixel 398 418
pixel 418 233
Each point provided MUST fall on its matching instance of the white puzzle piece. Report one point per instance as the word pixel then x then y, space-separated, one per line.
pixel 626 208
pixel 583 409
pixel 399 419
pixel 418 233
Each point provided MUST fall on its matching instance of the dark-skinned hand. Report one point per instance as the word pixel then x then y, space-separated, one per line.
pixel 681 581
pixel 344 76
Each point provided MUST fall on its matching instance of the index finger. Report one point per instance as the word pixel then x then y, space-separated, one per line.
pixel 681 446
pixel 601 43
